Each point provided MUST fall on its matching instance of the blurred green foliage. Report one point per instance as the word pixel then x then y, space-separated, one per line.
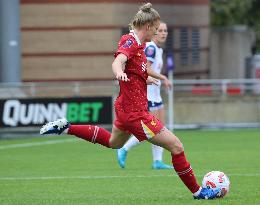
pixel 226 13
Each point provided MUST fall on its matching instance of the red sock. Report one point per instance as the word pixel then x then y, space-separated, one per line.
pixel 91 133
pixel 185 172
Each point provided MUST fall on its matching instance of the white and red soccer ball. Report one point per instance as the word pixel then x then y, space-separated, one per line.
pixel 216 179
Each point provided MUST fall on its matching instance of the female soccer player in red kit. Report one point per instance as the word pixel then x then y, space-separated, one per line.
pixel 131 109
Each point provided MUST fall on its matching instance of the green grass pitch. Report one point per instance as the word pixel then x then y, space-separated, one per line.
pixel 64 170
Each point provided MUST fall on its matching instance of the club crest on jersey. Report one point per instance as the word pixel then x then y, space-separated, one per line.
pixel 128 43
pixel 144 66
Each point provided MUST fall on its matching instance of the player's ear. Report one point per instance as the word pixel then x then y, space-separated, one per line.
pixel 148 26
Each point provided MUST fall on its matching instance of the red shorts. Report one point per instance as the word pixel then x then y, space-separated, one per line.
pixel 142 125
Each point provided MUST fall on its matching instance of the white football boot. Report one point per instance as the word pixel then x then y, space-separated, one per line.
pixel 56 127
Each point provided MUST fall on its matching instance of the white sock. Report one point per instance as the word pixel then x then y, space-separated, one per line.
pixel 157 152
pixel 132 142
pixel 197 192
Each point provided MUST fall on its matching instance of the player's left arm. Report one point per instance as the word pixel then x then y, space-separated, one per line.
pixel 158 76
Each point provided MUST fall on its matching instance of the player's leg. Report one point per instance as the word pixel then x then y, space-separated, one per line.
pixel 157 158
pixel 122 152
pixel 91 133
pixel 131 143
pixel 157 151
pixel 118 138
pixel 170 142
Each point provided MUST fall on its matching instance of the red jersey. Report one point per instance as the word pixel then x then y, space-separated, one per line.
pixel 133 94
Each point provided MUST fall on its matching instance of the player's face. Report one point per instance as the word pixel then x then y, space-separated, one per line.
pixel 162 33
pixel 152 30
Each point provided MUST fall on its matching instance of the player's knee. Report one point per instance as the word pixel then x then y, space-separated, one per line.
pixel 179 148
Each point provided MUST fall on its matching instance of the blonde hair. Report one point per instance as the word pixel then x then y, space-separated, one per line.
pixel 146 14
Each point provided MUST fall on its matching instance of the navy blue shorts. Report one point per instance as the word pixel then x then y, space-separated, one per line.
pixel 152 106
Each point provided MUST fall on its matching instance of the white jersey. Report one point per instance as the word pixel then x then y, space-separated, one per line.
pixel 155 55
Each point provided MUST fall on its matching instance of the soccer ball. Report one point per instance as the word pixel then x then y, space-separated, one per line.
pixel 216 179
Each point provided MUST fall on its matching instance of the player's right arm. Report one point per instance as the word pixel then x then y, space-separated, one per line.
pixel 159 76
pixel 118 67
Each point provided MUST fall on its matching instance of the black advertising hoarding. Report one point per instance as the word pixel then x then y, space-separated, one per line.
pixel 36 112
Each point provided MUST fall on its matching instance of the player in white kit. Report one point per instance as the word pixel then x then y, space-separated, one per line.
pixel 154 55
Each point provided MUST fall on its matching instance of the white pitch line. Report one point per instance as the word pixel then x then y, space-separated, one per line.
pixel 31 144
pixel 105 177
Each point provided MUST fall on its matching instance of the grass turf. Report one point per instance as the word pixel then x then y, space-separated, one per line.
pixel 78 172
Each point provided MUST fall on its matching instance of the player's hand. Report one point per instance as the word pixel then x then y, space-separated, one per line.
pixel 122 76
pixel 150 80
pixel 167 84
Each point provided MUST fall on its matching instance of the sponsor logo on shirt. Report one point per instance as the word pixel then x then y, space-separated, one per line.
pixel 144 66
